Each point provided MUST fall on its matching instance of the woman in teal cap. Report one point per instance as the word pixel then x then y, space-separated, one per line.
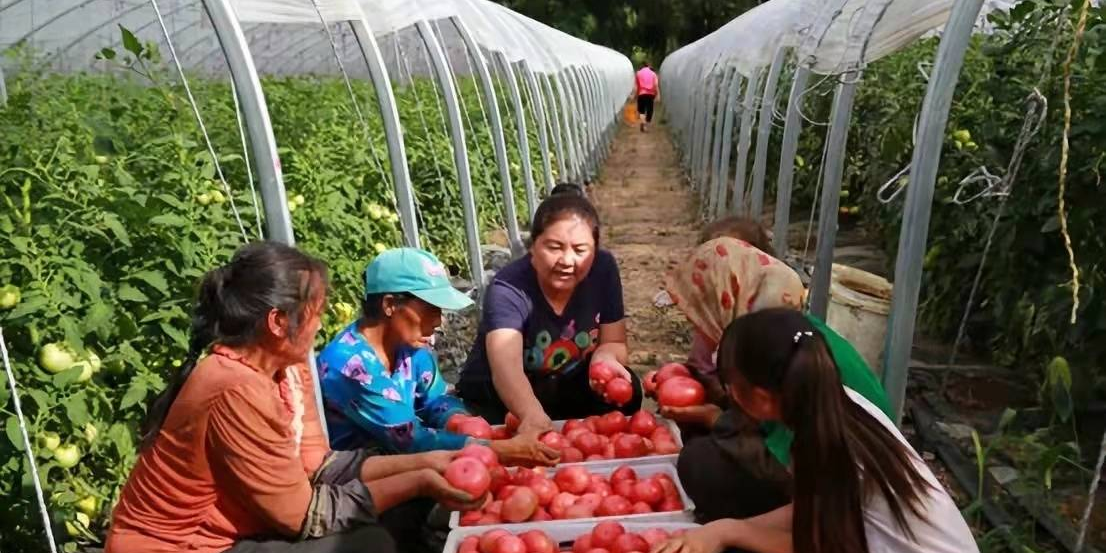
pixel 381 384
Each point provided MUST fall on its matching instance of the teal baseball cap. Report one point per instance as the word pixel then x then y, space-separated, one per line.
pixel 416 272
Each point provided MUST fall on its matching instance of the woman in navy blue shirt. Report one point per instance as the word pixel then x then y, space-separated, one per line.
pixel 547 317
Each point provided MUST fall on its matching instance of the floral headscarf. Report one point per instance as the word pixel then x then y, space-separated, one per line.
pixel 726 278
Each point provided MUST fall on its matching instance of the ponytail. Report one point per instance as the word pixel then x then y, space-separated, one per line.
pixel 232 306
pixel 841 455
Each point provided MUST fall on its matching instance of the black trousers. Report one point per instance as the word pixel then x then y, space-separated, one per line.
pixel 563 397
pixel 730 473
pixel 645 106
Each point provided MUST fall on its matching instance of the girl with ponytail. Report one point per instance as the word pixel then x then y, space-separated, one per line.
pixel 232 458
pixel 858 486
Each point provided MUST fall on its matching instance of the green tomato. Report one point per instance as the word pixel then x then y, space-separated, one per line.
pixel 299 199
pixel 67 456
pixel 393 217
pixel 292 207
pixel 217 197
pixel 9 296
pixel 959 145
pixel 376 212
pixel 55 358
pixel 89 506
pixel 177 363
pixel 379 248
pixel 78 526
pixel 844 194
pixel 971 146
pixel 962 135
pixel 101 159
pixel 94 361
pixel 800 161
pixel 203 199
pixel 49 440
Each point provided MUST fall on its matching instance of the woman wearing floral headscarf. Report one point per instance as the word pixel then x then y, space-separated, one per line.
pixel 722 280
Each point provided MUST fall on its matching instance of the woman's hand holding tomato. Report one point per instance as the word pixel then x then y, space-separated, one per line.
pixel 610 380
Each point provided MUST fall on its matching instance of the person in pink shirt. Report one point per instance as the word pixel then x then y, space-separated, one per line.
pixel 648 87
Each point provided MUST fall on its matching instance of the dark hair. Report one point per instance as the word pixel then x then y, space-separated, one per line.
pixel 841 455
pixel 562 206
pixel 372 306
pixel 568 189
pixel 233 304
pixel 742 228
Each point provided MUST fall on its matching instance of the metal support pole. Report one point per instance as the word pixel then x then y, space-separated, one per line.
pixel 919 198
pixel 790 144
pixel 580 113
pixel 498 141
pixel 460 152
pixel 713 168
pixel 707 153
pixel 838 139
pixel 537 103
pixel 523 137
pixel 764 134
pixel 744 137
pixel 555 121
pixel 727 145
pixel 393 131
pixel 563 98
pixel 3 89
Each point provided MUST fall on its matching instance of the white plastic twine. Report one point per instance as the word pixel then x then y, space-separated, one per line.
pixel 27 444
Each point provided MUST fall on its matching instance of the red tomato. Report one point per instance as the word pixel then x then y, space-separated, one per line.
pixel 522 477
pixel 612 423
pixel 476 427
pixel 670 370
pixel 667 484
pixel 541 515
pixel 625 488
pixel 495 508
pixel 546 490
pixel 582 544
pixel 554 440
pixel 588 443
pixel 598 550
pixel 643 423
pixel 670 504
pixel 649 492
pixel 613 506
pixel 573 479
pixel 538 542
pixel 500 478
pixel 470 544
pixel 592 500
pixel 666 447
pixel 520 505
pixel 500 433
pixel 628 543
pixel 619 391
pixel 571 455
pixel 602 489
pixel 624 472
pixel 653 536
pixel 596 457
pixel 649 383
pixel 509 544
pixel 455 421
pixel 680 391
pixel 512 422
pixel 487 541
pixel 488 520
pixel 628 446
pixel 561 502
pixel 571 435
pixel 604 533
pixel 573 424
pixel 471 518
pixel 468 475
pixel 660 433
pixel 592 423
pixel 505 491
pixel 579 511
pixel 601 373
pixel 641 508
pixel 481 453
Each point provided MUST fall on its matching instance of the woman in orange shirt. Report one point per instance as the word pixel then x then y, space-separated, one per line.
pixel 233 458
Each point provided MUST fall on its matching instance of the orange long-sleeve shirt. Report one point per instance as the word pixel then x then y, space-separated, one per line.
pixel 233 459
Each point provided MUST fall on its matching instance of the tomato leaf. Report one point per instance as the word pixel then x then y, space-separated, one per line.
pixel 11 428
pixel 76 409
pixel 130 42
pixel 98 320
pixel 120 436
pixel 111 221
pixel 73 335
pixel 170 220
pixel 155 279
pixel 175 334
pixel 130 293
pixel 32 302
pixel 67 377
pixel 136 393
pixel 42 399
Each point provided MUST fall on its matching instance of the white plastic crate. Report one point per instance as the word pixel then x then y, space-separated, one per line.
pixel 564 533
pixel 643 469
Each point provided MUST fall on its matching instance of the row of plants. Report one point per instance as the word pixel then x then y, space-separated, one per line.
pixel 112 209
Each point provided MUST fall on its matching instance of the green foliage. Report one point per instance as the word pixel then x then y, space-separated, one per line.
pixel 111 210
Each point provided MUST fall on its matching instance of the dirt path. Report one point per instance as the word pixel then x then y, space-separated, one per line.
pixel 649 222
